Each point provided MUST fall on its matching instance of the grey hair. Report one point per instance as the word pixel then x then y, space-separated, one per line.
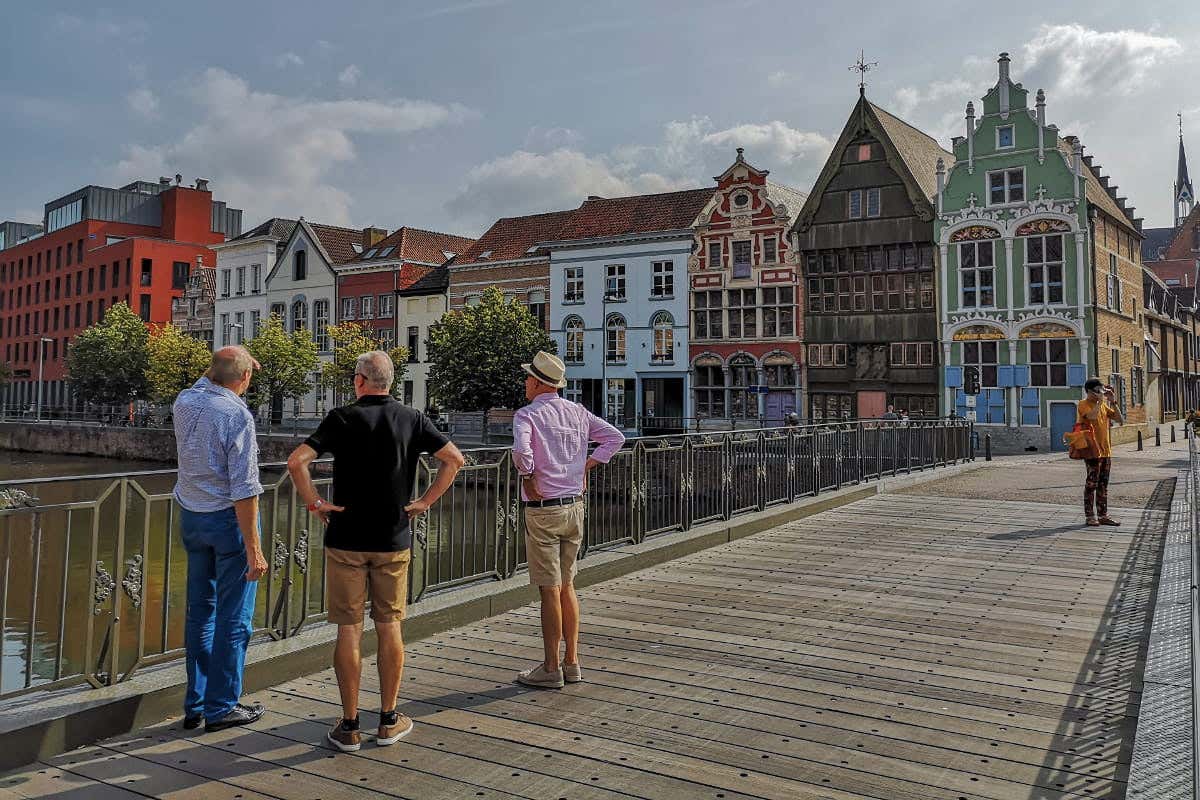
pixel 377 370
pixel 229 364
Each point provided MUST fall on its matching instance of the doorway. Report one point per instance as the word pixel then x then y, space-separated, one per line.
pixel 1062 420
pixel 871 405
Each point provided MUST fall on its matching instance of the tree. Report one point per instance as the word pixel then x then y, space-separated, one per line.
pixel 176 361
pixel 287 362
pixel 107 362
pixel 477 353
pixel 351 340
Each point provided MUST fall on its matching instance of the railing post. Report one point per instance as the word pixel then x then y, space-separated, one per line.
pixel 727 475
pixel 687 484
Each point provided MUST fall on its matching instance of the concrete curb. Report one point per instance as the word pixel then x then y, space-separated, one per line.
pixel 41 725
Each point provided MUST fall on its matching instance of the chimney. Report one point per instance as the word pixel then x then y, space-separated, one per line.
pixel 373 236
pixel 1004 83
pixel 164 180
pixel 202 184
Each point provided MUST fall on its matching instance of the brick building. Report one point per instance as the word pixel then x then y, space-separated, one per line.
pixel 746 323
pixel 367 286
pixel 507 256
pixel 194 311
pixel 1171 365
pixel 137 244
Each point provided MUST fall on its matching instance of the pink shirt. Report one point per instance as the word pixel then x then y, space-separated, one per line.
pixel 550 442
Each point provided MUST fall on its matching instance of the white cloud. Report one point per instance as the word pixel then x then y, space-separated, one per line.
pixel 272 154
pixel 539 138
pixel 288 59
pixel 350 75
pixel 462 8
pixel 1074 60
pixel 688 154
pixel 143 102
pixel 103 26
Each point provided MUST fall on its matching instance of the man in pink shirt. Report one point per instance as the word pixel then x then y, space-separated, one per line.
pixel 550 452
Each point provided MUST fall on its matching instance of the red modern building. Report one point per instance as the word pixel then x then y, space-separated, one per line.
pixel 98 247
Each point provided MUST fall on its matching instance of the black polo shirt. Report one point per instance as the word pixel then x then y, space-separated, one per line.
pixel 375 443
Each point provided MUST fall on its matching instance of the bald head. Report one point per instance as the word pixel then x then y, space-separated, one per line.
pixel 230 366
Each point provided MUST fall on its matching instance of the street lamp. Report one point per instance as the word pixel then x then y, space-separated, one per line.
pixel 41 362
pixel 609 297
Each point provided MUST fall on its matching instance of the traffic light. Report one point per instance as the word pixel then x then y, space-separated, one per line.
pixel 971 380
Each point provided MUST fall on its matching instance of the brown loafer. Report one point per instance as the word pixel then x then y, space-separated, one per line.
pixel 1109 521
pixel 1092 522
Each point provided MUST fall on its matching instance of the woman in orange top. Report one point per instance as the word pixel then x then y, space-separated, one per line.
pixel 1098 410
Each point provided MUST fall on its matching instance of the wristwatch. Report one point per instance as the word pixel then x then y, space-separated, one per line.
pixel 316 505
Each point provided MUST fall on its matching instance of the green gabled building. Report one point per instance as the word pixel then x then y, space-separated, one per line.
pixel 1012 229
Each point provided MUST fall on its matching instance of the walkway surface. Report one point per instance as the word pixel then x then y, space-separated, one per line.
pixel 965 638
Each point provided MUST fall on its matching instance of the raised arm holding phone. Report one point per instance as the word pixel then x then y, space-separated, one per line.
pixel 1099 411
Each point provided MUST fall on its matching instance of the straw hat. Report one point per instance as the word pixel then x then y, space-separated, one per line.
pixel 548 369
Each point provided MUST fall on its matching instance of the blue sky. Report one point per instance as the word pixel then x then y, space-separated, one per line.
pixel 449 115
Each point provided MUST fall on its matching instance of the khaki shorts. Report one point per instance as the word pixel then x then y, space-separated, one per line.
pixel 349 574
pixel 553 536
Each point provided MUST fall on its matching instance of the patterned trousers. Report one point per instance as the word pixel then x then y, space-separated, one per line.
pixel 1095 492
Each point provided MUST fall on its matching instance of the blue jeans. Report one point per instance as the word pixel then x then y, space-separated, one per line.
pixel 220 611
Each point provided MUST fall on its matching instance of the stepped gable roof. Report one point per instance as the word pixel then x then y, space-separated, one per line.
pixel 512 238
pixel 1094 191
pixel 435 281
pixel 918 149
pixel 414 244
pixel 275 227
pixel 790 197
pixel 1157 239
pixel 208 281
pixel 337 242
pixel 644 213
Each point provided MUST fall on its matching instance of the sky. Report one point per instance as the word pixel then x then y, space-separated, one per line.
pixel 449 115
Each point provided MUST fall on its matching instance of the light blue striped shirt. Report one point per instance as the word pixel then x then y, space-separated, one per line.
pixel 217 449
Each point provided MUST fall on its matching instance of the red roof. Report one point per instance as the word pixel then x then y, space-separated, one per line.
pixel 638 214
pixel 338 242
pixel 511 238
pixel 414 244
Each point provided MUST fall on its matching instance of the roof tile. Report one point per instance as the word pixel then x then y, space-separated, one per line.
pixel 510 238
pixel 637 214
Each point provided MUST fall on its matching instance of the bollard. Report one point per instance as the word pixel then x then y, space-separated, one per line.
pixel 1158 437
pixel 1172 434
pixel 1139 440
pixel 987 447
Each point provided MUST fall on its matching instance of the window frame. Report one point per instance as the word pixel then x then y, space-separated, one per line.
pixel 1045 267
pixel 1012 130
pixel 573 286
pixel 977 271
pixel 663 280
pixel 852 196
pixel 574 339
pixel 662 326
pixel 616 342
pixel 614 283
pixel 1006 172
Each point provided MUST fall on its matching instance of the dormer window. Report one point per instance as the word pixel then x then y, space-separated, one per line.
pixel 741 199
pixel 1005 137
pixel 485 254
pixel 371 253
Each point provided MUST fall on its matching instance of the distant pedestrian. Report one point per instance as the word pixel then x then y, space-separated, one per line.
pixel 376 443
pixel 890 414
pixel 792 420
pixel 1098 410
pixel 550 452
pixel 218 491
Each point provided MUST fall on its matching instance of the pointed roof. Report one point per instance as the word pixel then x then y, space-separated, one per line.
pixel 338 243
pixel 512 238
pixel 1181 177
pixel 643 213
pixel 435 281
pixel 1157 240
pixel 275 227
pixel 911 152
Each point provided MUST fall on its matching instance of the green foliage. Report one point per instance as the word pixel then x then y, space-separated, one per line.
pixel 107 362
pixel 6 373
pixel 351 340
pixel 176 361
pixel 287 363
pixel 477 353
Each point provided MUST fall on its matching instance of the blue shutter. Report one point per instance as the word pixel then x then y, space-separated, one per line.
pixel 996 406
pixel 1021 375
pixel 960 400
pixel 1004 375
pixel 1031 406
pixel 954 377
pixel 1076 374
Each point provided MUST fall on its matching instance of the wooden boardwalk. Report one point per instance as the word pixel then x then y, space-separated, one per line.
pixel 903 648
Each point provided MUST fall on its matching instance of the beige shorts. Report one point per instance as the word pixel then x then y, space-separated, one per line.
pixel 553 536
pixel 350 574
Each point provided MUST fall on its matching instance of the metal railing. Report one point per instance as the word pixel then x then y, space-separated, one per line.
pixel 93 575
pixel 1193 490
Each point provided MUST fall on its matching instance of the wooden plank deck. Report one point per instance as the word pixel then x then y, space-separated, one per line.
pixel 905 647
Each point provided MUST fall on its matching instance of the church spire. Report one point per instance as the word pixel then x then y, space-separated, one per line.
pixel 1185 195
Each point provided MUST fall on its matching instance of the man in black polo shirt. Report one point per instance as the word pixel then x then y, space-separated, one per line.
pixel 376 443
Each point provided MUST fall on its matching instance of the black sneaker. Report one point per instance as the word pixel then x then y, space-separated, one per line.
pixel 238 715
pixel 191 723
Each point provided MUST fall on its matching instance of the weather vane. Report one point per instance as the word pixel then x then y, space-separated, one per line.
pixel 862 67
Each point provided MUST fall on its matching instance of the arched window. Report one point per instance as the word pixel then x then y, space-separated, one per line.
pixel 664 337
pixel 574 329
pixel 299 265
pixel 710 387
pixel 321 324
pixel 615 340
pixel 299 315
pixel 743 373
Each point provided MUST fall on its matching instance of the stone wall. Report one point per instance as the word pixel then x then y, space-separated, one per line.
pixel 1016 441
pixel 135 444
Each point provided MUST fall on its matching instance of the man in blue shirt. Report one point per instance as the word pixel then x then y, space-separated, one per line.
pixel 218 491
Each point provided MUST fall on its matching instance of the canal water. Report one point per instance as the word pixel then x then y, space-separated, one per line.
pixel 14 465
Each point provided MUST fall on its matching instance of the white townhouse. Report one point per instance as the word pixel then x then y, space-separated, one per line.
pixel 302 289
pixel 241 272
pixel 619 306
pixel 418 307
